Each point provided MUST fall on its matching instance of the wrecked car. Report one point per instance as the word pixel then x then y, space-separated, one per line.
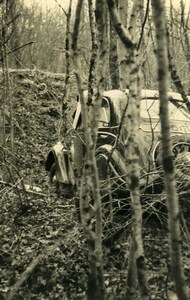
pixel 65 161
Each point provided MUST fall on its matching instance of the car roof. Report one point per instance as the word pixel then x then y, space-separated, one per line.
pixel 145 93
pixel 155 94
pixel 114 93
pixel 119 98
pixel 111 94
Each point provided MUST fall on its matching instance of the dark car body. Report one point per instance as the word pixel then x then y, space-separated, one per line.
pixel 65 162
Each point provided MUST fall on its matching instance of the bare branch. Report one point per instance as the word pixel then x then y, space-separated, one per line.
pixel 120 29
pixel 167 156
pixel 13 20
pixel 62 7
pixel 143 24
pixel 176 79
pixel 20 47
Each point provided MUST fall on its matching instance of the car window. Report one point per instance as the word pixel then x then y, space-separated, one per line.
pixel 150 109
pixel 104 113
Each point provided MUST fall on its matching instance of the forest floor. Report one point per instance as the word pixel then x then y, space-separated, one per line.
pixel 43 253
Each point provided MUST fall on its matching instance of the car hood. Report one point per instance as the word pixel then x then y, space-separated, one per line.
pixel 176 127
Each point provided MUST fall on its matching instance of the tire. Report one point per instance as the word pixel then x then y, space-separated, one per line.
pixel 52 173
pixel 104 174
pixel 61 189
pixel 181 154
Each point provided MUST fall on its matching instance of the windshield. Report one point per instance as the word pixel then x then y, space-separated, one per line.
pixel 150 110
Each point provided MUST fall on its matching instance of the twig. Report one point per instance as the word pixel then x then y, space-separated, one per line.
pixel 26 190
pixel 61 8
pixel 44 255
pixel 36 193
pixel 143 25
pixel 13 20
pixel 29 269
pixel 20 47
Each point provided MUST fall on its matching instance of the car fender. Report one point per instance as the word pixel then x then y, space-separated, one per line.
pixel 60 159
pixel 117 162
pixel 114 158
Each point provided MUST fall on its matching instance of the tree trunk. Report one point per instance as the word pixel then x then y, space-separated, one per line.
pixel 132 151
pixel 123 58
pixel 94 54
pixel 5 66
pixel 14 13
pixel 90 183
pixel 185 30
pixel 113 60
pixel 2 104
pixel 175 77
pixel 130 293
pixel 63 121
pixel 167 157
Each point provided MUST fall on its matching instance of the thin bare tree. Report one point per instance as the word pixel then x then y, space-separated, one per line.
pixel 7 101
pixel 67 52
pixel 167 156
pixel 89 182
pixel 132 149
pixel 123 59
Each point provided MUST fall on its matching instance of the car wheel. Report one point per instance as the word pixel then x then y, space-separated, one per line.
pixel 181 154
pixel 104 174
pixel 112 186
pixel 52 173
pixel 115 204
pixel 61 189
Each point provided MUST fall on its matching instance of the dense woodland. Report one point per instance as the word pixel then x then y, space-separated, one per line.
pixel 51 248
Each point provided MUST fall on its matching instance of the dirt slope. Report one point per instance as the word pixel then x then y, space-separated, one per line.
pixel 43 252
